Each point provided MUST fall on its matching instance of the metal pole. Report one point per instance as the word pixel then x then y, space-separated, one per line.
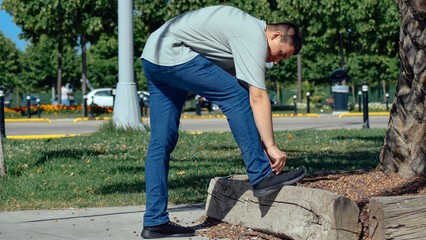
pixel 146 105
pixel 141 103
pixel 295 105
pixel 92 106
pixel 3 129
pixel 308 94
pixel 198 105
pixel 85 105
pixel 113 92
pixel 359 100
pixel 38 108
pixel 366 123
pixel 126 107
pixel 387 102
pixel 29 106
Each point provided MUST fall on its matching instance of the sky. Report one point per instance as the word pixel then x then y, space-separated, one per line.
pixel 10 30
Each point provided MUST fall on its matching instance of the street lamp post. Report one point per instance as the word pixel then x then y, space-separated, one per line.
pixel 113 93
pixel 126 108
pixel 38 108
pixel 308 94
pixel 387 102
pixel 366 123
pixel 295 105
pixel 85 105
pixel 92 106
pixel 29 106
pixel 359 100
pixel 3 132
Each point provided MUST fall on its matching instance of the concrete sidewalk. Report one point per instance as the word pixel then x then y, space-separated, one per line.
pixel 92 223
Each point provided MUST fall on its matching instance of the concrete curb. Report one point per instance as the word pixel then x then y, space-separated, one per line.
pixel 28 120
pixel 273 115
pixel 45 136
pixel 361 114
pixel 97 118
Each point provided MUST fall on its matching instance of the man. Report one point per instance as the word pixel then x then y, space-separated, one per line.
pixel 219 53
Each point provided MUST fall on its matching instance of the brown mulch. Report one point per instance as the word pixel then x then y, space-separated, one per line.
pixel 358 185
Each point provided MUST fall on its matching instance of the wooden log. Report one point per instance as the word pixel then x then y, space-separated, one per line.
pixel 399 217
pixel 292 213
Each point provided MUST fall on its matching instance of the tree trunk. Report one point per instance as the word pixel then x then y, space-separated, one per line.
pixel 60 67
pixel 299 76
pixel 384 90
pixel 405 142
pixel 342 56
pixel 83 42
pixel 2 162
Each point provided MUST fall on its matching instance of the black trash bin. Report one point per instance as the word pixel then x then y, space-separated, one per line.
pixel 340 96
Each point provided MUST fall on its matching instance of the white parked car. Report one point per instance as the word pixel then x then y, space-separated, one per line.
pixel 103 97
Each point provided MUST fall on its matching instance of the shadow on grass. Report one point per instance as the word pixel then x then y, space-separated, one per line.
pixel 49 156
pixel 329 160
pixel 376 139
pixel 174 185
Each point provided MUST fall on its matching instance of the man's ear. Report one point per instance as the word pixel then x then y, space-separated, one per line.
pixel 276 34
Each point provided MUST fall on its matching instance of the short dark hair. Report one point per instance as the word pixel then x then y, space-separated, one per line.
pixel 291 34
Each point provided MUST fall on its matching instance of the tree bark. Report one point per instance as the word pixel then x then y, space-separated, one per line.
pixel 399 217
pixel 405 142
pixel 2 162
pixel 60 67
pixel 83 42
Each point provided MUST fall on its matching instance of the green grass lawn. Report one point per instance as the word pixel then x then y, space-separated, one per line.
pixel 107 168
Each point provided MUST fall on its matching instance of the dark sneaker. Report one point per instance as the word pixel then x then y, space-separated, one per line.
pixel 273 183
pixel 167 230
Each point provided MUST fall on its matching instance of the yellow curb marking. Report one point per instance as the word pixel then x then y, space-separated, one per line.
pixel 44 136
pixel 207 116
pixel 97 118
pixel 87 119
pixel 29 120
pixel 203 132
pixel 297 115
pixel 273 115
pixel 361 114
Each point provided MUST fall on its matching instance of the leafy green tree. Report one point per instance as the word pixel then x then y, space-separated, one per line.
pixel 102 62
pixel 88 20
pixel 66 22
pixel 42 17
pixel 39 63
pixel 9 63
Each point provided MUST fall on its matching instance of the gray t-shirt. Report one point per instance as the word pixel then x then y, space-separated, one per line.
pixel 225 35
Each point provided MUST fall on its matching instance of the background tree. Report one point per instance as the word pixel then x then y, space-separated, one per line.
pixel 42 17
pixel 102 62
pixel 88 20
pixel 9 63
pixel 39 62
pixel 405 143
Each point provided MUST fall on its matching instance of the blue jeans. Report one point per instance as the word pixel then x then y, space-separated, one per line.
pixel 169 87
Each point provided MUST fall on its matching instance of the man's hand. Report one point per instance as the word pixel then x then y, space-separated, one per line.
pixel 277 158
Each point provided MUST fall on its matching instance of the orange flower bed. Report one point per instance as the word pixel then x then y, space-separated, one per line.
pixel 47 108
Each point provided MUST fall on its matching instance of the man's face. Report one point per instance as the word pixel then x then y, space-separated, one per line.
pixel 278 50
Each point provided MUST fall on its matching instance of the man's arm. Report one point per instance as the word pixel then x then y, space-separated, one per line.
pixel 261 106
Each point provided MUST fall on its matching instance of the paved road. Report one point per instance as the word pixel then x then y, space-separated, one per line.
pixel 67 126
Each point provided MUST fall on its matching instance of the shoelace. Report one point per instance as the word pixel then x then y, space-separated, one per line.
pixel 175 224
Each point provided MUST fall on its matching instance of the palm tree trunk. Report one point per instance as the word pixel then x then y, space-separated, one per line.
pixel 405 142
